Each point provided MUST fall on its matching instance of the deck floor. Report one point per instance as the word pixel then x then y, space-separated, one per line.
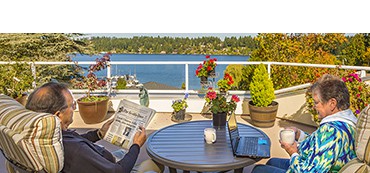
pixel 164 119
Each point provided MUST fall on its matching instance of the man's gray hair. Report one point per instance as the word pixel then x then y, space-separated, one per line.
pixel 48 98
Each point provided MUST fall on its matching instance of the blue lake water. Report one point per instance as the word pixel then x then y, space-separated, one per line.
pixel 172 75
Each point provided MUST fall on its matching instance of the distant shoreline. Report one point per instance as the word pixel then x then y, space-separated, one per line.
pixel 101 53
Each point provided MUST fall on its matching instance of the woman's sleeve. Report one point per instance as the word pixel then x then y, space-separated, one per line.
pixel 322 151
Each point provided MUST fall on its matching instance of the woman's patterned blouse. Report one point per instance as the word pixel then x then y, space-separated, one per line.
pixel 326 150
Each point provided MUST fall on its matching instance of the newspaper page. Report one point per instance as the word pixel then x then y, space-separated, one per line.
pixel 127 119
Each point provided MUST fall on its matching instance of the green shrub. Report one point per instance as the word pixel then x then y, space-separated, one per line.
pixel 16 79
pixel 121 83
pixel 261 87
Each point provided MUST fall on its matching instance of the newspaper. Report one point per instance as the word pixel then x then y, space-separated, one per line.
pixel 127 119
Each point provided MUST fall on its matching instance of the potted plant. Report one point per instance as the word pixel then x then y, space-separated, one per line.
pixel 93 108
pixel 262 106
pixel 16 81
pixel 220 107
pixel 179 108
pixel 225 83
pixel 206 69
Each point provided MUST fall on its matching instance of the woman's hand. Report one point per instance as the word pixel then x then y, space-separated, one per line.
pixel 290 149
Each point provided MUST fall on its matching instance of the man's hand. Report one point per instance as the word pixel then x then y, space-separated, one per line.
pixel 103 130
pixel 290 149
pixel 140 137
pixel 297 132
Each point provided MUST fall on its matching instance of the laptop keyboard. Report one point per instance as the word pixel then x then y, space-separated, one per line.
pixel 250 145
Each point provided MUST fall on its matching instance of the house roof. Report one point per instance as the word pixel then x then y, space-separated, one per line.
pixel 158 86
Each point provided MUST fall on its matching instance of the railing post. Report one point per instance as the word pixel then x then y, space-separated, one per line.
pixel 33 70
pixel 186 77
pixel 109 86
pixel 363 73
pixel 269 69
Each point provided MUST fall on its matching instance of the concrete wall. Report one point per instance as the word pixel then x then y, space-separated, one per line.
pixel 291 105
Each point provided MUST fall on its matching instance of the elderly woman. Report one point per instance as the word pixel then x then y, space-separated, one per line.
pixel 329 147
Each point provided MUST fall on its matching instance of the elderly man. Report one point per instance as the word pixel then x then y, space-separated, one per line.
pixel 81 154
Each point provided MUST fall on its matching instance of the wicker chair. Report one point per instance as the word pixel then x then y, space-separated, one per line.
pixel 362 163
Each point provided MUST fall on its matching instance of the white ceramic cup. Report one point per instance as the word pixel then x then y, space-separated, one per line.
pixel 210 135
pixel 287 136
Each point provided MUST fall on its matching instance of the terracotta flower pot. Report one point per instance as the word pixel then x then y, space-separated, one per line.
pixel 93 112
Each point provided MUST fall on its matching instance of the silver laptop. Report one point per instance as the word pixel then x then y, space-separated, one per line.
pixel 247 146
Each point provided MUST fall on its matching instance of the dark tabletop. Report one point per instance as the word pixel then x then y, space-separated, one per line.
pixel 182 146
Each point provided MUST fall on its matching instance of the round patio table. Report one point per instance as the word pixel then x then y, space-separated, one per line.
pixel 182 146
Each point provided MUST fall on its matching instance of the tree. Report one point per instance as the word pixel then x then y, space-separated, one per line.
pixel 300 48
pixel 355 50
pixel 42 47
pixel 202 45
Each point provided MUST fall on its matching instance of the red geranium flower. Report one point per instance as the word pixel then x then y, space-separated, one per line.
pixel 211 95
pixel 235 98
pixel 206 67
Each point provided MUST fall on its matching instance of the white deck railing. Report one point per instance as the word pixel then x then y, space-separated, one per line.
pixel 362 69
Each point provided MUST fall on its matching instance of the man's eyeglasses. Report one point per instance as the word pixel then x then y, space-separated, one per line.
pixel 74 105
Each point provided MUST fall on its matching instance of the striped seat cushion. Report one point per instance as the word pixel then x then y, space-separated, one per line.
pixel 363 136
pixel 31 139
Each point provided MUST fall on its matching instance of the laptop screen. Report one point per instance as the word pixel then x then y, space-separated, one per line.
pixel 250 146
pixel 232 126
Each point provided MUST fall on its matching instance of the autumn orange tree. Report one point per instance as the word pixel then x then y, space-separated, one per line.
pixel 297 48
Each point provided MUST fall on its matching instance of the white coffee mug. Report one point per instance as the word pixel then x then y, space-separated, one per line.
pixel 210 135
pixel 287 136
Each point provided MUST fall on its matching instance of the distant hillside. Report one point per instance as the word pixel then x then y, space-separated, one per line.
pixel 169 45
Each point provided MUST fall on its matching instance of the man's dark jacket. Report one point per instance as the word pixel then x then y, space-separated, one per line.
pixel 82 155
